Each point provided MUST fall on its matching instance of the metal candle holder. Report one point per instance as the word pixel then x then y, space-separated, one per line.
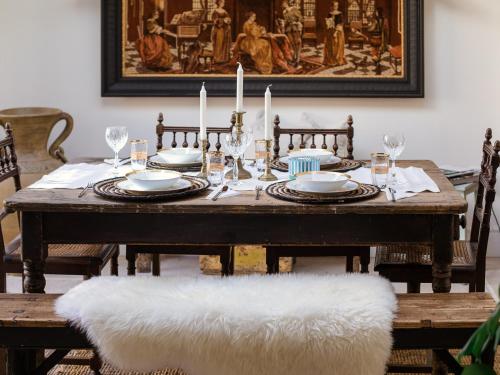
pixel 268 175
pixel 243 174
pixel 204 168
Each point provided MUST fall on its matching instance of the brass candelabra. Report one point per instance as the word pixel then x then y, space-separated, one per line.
pixel 243 174
pixel 268 175
pixel 204 168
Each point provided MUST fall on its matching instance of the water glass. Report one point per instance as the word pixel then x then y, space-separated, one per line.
pixel 139 154
pixel 302 164
pixel 380 169
pixel 394 144
pixel 260 155
pixel 216 161
pixel 116 137
pixel 236 143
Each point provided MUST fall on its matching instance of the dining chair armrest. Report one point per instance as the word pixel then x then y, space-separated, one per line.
pixel 5 212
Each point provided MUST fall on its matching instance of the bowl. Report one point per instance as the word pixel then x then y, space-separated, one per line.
pixel 180 155
pixel 324 156
pixel 322 181
pixel 154 179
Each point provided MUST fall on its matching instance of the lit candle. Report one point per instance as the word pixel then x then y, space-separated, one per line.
pixel 239 89
pixel 203 113
pixel 268 127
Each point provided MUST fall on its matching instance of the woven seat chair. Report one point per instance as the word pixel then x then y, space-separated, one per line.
pixel 226 253
pixel 85 260
pixel 413 265
pixel 273 253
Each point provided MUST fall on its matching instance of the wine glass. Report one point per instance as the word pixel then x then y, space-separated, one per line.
pixel 236 144
pixel 394 144
pixel 116 137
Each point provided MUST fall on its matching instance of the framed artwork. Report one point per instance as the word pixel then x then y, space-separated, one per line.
pixel 305 48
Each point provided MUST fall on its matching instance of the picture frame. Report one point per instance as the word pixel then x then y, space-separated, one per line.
pixel 409 84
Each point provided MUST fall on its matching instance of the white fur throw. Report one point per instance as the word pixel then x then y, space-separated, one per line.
pixel 251 325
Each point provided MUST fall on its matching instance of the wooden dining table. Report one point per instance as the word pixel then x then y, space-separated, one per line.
pixel 58 216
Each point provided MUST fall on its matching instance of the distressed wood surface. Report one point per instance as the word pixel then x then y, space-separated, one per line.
pixel 455 310
pixel 448 201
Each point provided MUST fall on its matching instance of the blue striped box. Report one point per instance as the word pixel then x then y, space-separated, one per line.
pixel 302 164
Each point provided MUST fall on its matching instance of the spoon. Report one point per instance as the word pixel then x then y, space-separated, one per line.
pixel 223 190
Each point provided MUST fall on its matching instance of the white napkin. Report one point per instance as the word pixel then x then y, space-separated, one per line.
pixel 76 176
pixel 412 181
pixel 227 194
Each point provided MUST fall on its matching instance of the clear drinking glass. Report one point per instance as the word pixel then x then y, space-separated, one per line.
pixel 216 162
pixel 260 155
pixel 236 143
pixel 116 137
pixel 380 169
pixel 139 154
pixel 394 144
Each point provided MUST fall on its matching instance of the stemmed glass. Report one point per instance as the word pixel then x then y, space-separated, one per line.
pixel 394 144
pixel 116 137
pixel 236 144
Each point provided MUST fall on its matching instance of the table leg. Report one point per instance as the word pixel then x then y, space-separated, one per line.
pixel 442 256
pixel 34 252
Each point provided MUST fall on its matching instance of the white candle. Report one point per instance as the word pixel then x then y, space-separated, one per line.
pixel 268 121
pixel 239 89
pixel 203 113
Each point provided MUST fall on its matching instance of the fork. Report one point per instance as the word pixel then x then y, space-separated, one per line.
pixel 84 191
pixel 258 189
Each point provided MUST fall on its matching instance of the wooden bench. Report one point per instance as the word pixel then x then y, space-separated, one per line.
pixel 424 321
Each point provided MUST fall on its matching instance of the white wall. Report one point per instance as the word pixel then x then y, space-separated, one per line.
pixel 50 56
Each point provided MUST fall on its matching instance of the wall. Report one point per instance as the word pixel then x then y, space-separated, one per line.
pixel 50 56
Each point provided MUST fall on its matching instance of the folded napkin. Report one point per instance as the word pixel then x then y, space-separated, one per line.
pixel 76 176
pixel 227 194
pixel 412 180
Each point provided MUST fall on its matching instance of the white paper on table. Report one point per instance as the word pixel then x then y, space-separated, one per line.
pixel 77 176
pixel 412 180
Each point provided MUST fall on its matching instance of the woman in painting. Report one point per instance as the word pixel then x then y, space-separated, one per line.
pixel 334 50
pixel 153 48
pixel 221 33
pixel 266 52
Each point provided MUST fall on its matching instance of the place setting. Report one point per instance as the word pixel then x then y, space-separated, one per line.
pixel 328 161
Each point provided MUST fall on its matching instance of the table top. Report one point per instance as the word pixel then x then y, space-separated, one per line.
pixel 448 201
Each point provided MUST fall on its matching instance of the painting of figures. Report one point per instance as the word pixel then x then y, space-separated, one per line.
pixel 271 38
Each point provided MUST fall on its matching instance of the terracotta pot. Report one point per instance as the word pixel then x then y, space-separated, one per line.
pixel 31 128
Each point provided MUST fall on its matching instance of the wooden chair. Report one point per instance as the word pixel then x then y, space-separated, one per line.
pixel 273 253
pixel 85 260
pixel 412 264
pixel 226 253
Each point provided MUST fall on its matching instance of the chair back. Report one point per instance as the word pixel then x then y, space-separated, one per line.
pixel 314 133
pixel 480 229
pixel 8 159
pixel 216 132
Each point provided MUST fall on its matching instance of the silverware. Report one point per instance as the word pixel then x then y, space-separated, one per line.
pixel 393 197
pixel 258 189
pixel 223 190
pixel 85 189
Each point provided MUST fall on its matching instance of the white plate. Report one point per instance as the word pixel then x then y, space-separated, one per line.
pixel 180 155
pixel 159 160
pixel 347 188
pixel 323 155
pixel 133 188
pixel 154 178
pixel 332 160
pixel 322 181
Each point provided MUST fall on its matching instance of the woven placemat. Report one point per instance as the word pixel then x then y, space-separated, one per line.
pixel 195 167
pixel 344 166
pixel 279 190
pixel 108 189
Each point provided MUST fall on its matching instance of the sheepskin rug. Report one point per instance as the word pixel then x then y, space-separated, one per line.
pixel 249 325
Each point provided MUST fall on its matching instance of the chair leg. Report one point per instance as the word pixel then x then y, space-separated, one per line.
pixel 130 255
pixel 472 287
pixel 231 261
pixel 480 282
pixel 349 264
pixel 272 261
pixel 3 280
pixel 155 264
pixel 413 287
pixel 95 363
pixel 114 263
pixel 365 262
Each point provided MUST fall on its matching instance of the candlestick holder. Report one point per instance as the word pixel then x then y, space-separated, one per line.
pixel 243 174
pixel 268 175
pixel 204 168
